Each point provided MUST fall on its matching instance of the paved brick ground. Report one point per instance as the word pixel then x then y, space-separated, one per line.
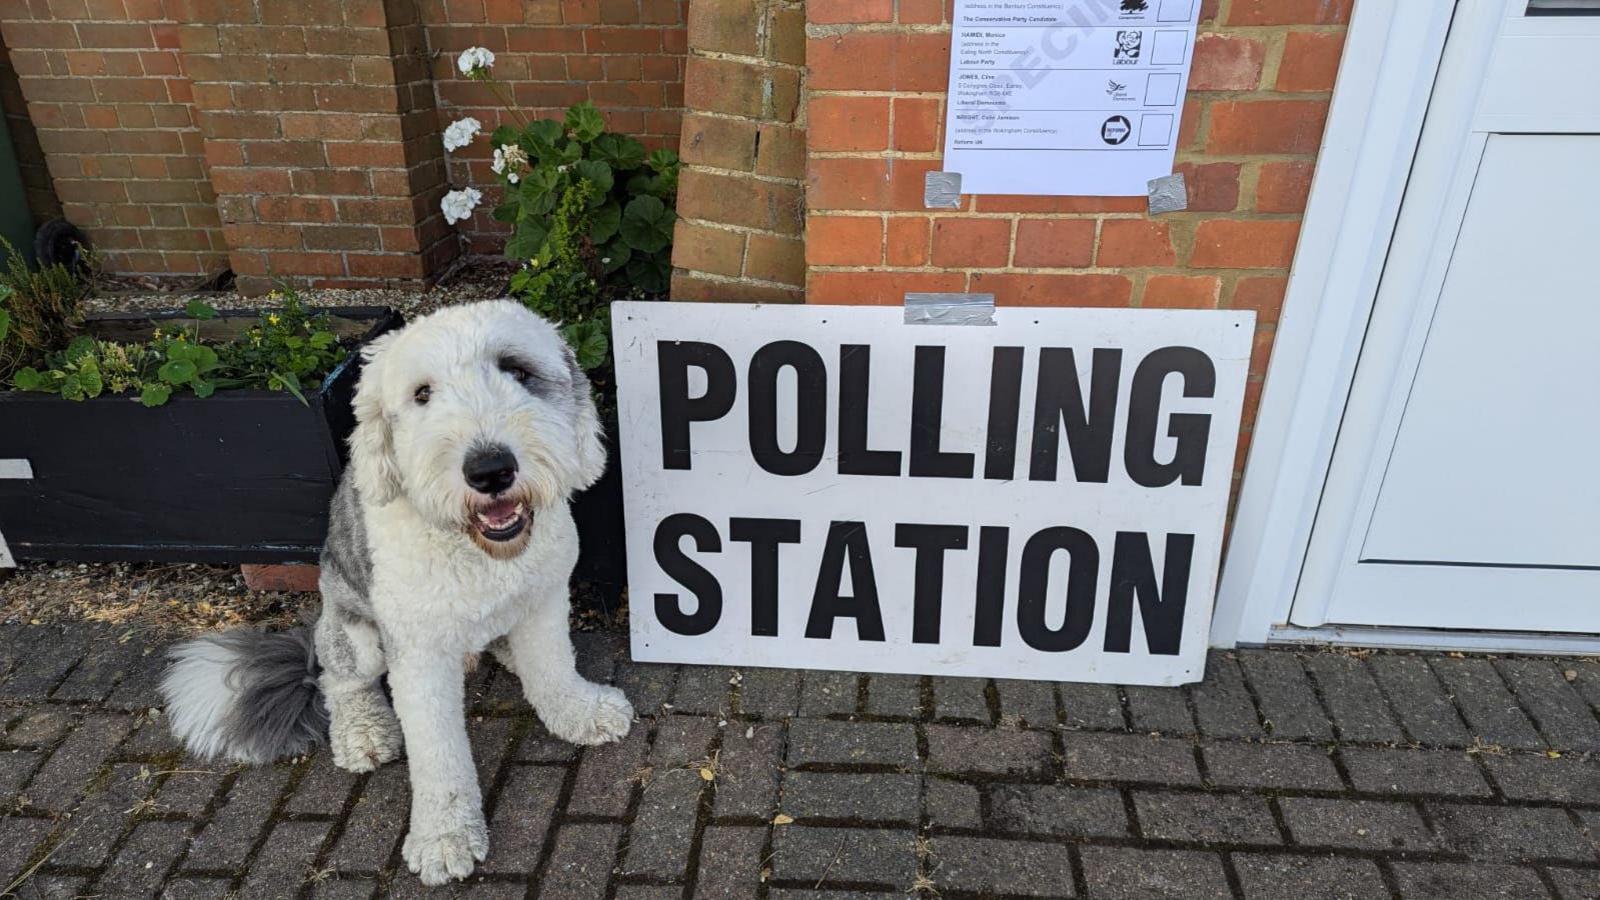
pixel 1283 775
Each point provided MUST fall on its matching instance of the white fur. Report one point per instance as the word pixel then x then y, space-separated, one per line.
pixel 437 595
pixel 199 695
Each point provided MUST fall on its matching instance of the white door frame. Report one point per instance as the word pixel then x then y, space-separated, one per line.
pixel 1393 50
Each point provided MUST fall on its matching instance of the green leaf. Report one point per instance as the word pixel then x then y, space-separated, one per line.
pixel 589 343
pixel 539 192
pixel 89 378
pixel 615 255
pixel 322 340
pixel 30 379
pixel 291 383
pixel 663 160
pixel 505 212
pixel 502 136
pixel 603 222
pixel 5 324
pixel 585 122
pixel 203 357
pixel 72 388
pixel 177 371
pixel 525 244
pixel 650 273
pixel 199 309
pixel 155 394
pixel 596 173
pixel 544 133
pixel 623 153
pixel 647 224
pixel 203 388
pixel 82 346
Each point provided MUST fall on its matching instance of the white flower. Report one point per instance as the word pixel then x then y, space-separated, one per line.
pixel 458 205
pixel 475 58
pixel 510 160
pixel 461 132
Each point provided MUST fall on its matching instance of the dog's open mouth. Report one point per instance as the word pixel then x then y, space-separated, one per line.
pixel 501 520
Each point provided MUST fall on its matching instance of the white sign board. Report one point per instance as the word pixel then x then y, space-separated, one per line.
pixel 829 487
pixel 1075 97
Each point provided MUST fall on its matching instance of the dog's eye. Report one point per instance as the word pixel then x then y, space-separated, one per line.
pixel 422 394
pixel 516 370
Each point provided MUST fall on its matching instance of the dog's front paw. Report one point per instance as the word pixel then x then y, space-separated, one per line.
pixel 593 714
pixel 440 857
pixel 364 734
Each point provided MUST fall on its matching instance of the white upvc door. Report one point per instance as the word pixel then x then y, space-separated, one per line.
pixel 1464 490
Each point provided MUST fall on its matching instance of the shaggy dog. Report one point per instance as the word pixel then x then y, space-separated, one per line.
pixel 449 534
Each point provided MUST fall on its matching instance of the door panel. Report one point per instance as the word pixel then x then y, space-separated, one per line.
pixel 1462 492
pixel 1496 451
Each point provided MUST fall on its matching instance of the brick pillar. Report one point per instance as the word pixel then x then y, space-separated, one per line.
pixel 321 137
pixel 740 197
pixel 109 104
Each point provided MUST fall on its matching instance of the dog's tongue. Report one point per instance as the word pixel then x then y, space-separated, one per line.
pixel 498 514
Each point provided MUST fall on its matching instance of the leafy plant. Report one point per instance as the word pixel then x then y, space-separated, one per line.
pixel 286 350
pixel 39 310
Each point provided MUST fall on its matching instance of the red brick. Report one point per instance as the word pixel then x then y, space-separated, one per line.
pixel 719 251
pixel 284 577
pixel 879 61
pixel 1281 187
pixel 1290 12
pixel 1267 126
pixel 916 124
pixel 295 209
pixel 967 243
pixel 1054 243
pixel 1263 294
pixel 843 240
pixel 847 183
pixel 1213 187
pixel 844 122
pixel 1226 62
pixel 1029 204
pixel 1310 60
pixel 877 288
pixel 922 12
pixel 1182 291
pixel 779 259
pixel 1239 244
pixel 906 241
pixel 844 12
pixel 1017 289
pixel 1135 242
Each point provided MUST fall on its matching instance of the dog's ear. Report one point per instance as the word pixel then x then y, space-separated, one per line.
pixel 372 460
pixel 591 449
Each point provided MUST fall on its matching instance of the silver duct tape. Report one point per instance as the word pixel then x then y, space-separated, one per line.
pixel 1169 193
pixel 949 309
pixel 941 190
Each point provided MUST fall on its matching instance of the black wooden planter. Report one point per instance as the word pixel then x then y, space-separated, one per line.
pixel 238 477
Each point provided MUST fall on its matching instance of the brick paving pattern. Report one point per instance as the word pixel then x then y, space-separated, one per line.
pixel 1285 774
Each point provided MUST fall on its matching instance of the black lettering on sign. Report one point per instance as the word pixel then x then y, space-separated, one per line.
pixel 764 536
pixel 927 416
pixel 670 557
pixel 1191 430
pixel 1005 402
pixel 927 592
pixel 846 540
pixel 1082 574
pixel 1161 610
pixel 678 409
pixel 1058 406
pixel 811 399
pixel 993 542
pixel 855 361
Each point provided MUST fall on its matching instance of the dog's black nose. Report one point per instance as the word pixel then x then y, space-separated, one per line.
pixel 490 470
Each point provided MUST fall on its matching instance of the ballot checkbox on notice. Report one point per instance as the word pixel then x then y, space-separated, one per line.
pixel 1168 48
pixel 1161 88
pixel 1174 10
pixel 1155 130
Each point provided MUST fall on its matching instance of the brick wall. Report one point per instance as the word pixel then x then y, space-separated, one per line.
pixel 321 138
pixel 1252 122
pixel 111 108
pixel 41 194
pixel 625 56
pixel 740 198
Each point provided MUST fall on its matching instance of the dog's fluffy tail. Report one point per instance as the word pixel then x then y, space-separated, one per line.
pixel 246 695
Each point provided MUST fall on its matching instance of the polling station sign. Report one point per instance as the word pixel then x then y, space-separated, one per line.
pixel 831 487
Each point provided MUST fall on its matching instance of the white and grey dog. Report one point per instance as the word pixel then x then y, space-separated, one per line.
pixel 449 534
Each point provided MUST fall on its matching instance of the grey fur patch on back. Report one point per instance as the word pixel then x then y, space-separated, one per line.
pixel 280 710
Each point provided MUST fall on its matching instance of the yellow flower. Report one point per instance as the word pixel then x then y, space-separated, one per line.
pixel 272 318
